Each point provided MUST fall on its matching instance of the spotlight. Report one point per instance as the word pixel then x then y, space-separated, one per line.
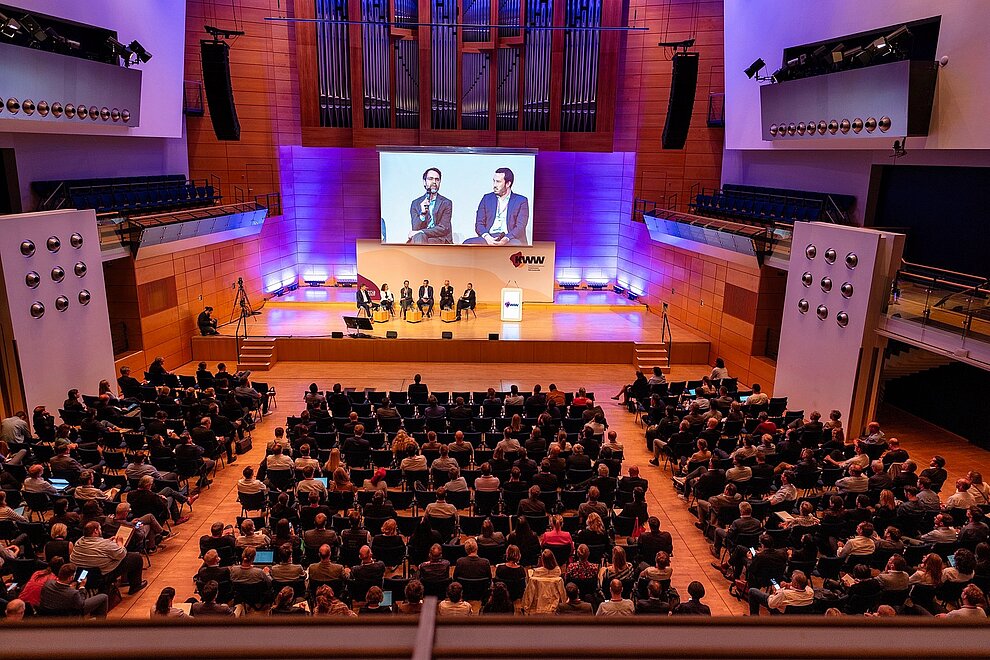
pixel 568 285
pixel 754 68
pixel 8 26
pixel 597 285
pixel 835 55
pixel 618 288
pixel 139 50
pixel 632 295
pixel 314 282
pixel 33 28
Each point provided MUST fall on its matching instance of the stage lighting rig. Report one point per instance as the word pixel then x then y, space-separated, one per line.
pixel 32 28
pixel 139 51
pixel 219 34
pixel 9 27
pixel 683 45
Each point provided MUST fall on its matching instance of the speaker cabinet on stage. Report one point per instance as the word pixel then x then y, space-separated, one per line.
pixel 219 93
pixel 447 335
pixel 683 84
pixel 337 335
pixel 391 334
pixel 492 336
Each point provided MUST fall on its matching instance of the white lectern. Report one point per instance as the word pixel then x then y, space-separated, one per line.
pixel 512 299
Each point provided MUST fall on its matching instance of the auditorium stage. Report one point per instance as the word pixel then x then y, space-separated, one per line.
pixel 579 326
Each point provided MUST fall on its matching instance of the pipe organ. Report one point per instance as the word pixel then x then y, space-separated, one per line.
pixel 456 72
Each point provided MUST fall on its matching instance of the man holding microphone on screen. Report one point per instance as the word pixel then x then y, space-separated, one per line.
pixel 502 215
pixel 430 213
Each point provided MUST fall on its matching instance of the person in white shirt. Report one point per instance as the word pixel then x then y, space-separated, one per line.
pixel 861 544
pixel 786 493
pixel 457 483
pixel 962 498
pixel 797 592
pixel 277 460
pixel 486 482
pixel 249 485
pixel 757 398
pixel 310 485
pixel 856 482
pixel 388 300
pixel 616 605
pixel 973 602
pixel 35 483
pixel 305 460
pixel 719 371
pixel 514 398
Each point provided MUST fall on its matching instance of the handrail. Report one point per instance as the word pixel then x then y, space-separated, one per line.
pixel 47 201
pixel 909 264
pixel 668 343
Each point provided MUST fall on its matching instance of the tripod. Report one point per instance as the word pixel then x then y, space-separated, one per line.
pixel 242 309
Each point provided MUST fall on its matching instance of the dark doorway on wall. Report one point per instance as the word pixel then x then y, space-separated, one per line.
pixel 10 189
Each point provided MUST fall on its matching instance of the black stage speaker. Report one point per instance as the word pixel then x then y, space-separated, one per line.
pixel 391 334
pixel 683 83
pixel 447 335
pixel 219 93
pixel 337 335
pixel 492 336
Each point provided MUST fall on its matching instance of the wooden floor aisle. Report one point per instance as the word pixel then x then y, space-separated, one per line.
pixel 176 565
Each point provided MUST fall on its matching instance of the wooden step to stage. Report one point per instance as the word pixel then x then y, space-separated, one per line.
pixel 649 355
pixel 256 354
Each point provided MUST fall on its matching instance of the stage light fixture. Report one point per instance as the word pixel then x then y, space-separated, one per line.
pixel 619 289
pixel 8 26
pixel 754 68
pixel 568 285
pixel 632 295
pixel 597 285
pixel 139 50
pixel 33 29
pixel 314 282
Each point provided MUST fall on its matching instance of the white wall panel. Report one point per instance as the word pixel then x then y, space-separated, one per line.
pixel 61 349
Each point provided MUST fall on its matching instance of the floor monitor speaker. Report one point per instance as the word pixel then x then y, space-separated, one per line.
pixel 337 335
pixel 684 82
pixel 219 93
pixel 493 336
pixel 447 335
pixel 391 334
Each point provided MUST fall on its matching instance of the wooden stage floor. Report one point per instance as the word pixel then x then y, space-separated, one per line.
pixel 573 316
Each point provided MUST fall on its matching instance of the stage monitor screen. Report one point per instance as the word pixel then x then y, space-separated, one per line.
pixel 464 197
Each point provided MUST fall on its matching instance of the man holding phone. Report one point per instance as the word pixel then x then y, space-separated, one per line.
pixel 109 556
pixel 797 592
pixel 67 596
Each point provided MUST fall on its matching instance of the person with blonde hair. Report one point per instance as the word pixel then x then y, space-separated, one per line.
pixel 333 462
pixel 555 535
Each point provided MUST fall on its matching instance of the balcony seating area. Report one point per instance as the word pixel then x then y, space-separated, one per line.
pixel 757 205
pixel 128 196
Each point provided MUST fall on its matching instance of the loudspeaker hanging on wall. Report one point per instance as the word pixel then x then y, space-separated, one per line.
pixel 683 83
pixel 219 93
pixel 391 334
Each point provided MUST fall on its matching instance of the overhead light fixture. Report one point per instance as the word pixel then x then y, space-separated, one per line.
pixel 8 26
pixel 139 50
pixel 33 28
pixel 754 68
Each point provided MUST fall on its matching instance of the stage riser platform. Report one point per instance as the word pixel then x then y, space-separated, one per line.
pixel 348 349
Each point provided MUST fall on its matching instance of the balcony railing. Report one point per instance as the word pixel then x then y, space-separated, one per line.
pixel 945 300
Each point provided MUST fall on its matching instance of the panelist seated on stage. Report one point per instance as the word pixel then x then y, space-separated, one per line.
pixel 405 298
pixel 430 213
pixel 363 300
pixel 388 299
pixel 446 296
pixel 468 300
pixel 425 298
pixel 502 215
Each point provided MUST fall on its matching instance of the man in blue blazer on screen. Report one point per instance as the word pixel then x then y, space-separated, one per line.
pixel 502 214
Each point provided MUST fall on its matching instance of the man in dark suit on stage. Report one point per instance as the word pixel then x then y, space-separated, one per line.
pixel 468 300
pixel 364 300
pixel 405 298
pixel 446 296
pixel 430 213
pixel 425 298
pixel 502 215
